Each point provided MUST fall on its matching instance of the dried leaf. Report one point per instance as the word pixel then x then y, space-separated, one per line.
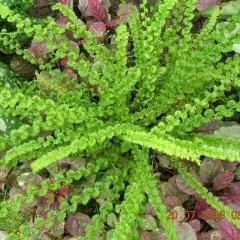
pixel 171 202
pixel 97 10
pixel 209 169
pixel 3 173
pixel 223 180
pixel 76 224
pixel 204 4
pixel 228 231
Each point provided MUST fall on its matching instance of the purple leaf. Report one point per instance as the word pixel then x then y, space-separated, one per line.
pixel 76 224
pixel 171 202
pixel 228 231
pixel 204 4
pixel 97 10
pixel 223 180
pixel 234 193
pixel 173 190
pixel 184 186
pixel 204 236
pixel 98 29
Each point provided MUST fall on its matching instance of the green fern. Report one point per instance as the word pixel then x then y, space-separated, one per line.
pixel 178 81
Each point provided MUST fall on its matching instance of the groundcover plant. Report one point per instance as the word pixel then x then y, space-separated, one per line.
pixel 119 127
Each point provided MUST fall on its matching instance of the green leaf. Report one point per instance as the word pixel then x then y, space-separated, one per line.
pixel 228 132
pixel 7 124
pixel 149 223
pixel 227 9
pixel 236 48
pixel 112 220
pixel 8 78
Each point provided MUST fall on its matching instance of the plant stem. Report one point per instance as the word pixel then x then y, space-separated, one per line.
pixel 71 4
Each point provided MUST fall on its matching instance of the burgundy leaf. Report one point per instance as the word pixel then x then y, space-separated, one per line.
pixel 97 10
pixel 98 29
pixel 228 202
pixel 200 206
pixel 113 23
pixel 234 193
pixel 38 49
pixel 171 202
pixel 228 231
pixel 64 61
pixel 204 4
pixel 62 20
pixel 72 75
pixel 225 199
pixel 229 163
pixel 76 223
pixel 125 12
pixel 204 236
pixel 223 180
pixel 63 191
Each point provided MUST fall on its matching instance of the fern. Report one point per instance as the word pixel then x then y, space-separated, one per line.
pixel 115 113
